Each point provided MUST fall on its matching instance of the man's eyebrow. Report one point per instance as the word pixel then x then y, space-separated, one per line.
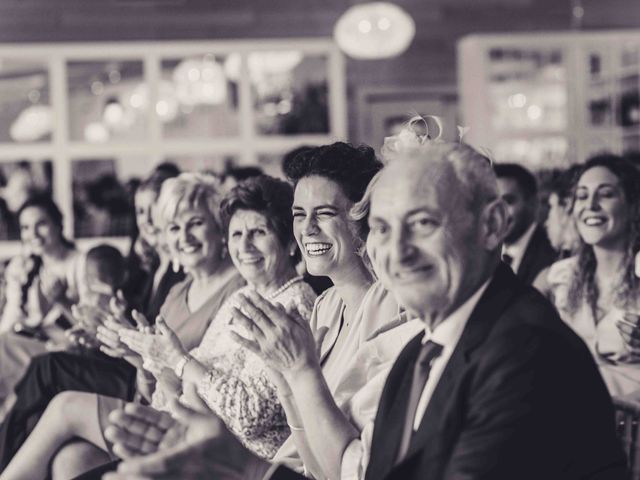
pixel 317 207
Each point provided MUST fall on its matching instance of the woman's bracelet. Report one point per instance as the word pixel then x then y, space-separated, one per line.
pixel 179 369
pixel 295 429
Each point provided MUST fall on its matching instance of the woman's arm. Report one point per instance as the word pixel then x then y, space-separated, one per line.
pixel 311 465
pixel 327 431
pixel 286 344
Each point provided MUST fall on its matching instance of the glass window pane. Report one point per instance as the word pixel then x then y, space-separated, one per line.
pixel 19 181
pixel 534 153
pixel 528 90
pixel 271 164
pixel 25 110
pixel 290 92
pixel 103 195
pixel 210 163
pixel 198 97
pixel 107 101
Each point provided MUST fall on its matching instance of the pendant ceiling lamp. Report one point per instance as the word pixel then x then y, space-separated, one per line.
pixel 374 30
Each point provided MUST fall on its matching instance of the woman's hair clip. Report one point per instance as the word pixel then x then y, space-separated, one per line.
pixel 486 153
pixel 409 137
pixel 416 133
pixel 462 131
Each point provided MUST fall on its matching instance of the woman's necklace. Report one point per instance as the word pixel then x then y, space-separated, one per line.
pixel 277 292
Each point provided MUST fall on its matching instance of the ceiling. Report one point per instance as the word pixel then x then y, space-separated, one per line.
pixel 437 20
pixel 430 60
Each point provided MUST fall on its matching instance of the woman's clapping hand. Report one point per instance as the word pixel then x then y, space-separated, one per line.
pixel 109 332
pixel 629 328
pixel 161 348
pixel 283 340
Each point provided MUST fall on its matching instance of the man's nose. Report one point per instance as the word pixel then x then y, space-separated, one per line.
pixel 400 245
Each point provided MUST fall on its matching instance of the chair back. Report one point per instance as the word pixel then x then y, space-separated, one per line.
pixel 627 423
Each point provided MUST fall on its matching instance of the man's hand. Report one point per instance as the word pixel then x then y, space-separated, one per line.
pixel 138 430
pixel 222 458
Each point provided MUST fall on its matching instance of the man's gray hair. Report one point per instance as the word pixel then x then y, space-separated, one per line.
pixel 472 169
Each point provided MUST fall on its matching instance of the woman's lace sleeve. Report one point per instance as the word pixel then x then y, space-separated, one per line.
pixel 238 390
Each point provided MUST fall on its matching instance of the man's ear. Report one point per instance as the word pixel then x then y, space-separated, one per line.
pixel 494 222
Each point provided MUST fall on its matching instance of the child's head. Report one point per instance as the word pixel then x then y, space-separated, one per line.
pixel 105 273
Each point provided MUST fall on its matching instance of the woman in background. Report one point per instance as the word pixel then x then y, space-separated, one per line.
pixel 597 291
pixel 44 275
pixel 41 284
pixel 91 370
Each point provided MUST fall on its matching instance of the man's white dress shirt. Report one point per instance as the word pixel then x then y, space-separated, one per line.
pixel 447 333
pixel 517 249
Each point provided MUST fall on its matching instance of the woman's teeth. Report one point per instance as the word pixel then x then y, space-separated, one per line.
pixel 316 249
pixel 250 261
pixel 594 221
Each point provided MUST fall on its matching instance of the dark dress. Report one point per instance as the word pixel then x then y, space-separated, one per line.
pixel 89 371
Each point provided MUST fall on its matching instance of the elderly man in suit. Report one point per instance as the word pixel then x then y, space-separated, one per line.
pixel 496 387
pixel 526 248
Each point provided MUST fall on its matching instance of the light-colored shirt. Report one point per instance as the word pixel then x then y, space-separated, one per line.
pixel 356 367
pixel 447 333
pixel 517 249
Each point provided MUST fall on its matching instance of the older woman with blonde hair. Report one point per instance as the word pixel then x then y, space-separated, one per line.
pixel 188 209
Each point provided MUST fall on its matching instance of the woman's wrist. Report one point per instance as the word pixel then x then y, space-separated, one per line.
pixel 145 376
pixel 309 372
pixel 181 364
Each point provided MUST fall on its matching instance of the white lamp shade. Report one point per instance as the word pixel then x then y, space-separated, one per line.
pixel 200 81
pixel 374 30
pixel 33 123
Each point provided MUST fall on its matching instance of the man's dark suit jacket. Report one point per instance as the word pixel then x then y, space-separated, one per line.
pixel 520 398
pixel 538 255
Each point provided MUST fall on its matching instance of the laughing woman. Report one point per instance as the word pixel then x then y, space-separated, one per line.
pixel 597 292
pixel 335 394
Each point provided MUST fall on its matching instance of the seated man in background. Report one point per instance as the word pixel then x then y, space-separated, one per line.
pixel 526 249
pixel 497 386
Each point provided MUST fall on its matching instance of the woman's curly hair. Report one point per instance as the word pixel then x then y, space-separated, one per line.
pixel 352 168
pixel 583 286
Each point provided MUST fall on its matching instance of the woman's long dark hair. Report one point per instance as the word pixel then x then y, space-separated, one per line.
pixel 583 286
pixel 48 206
